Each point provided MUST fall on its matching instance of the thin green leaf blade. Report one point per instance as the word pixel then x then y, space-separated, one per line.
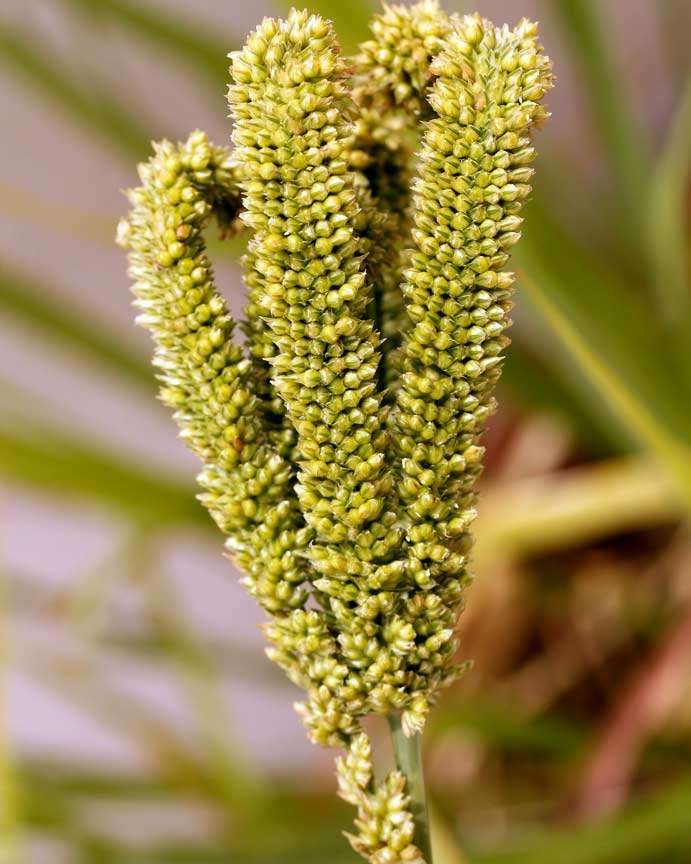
pixel 646 833
pixel 608 309
pixel 90 106
pixel 668 232
pixel 585 32
pixel 201 50
pixel 27 302
pixel 672 452
pixel 55 462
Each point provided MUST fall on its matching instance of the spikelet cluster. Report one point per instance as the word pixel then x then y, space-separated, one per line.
pixel 340 444
pixel 392 73
pixel 472 178
pixel 205 377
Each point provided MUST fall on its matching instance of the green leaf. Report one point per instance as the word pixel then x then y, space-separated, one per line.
pixel 585 348
pixel 90 105
pixel 569 508
pixel 668 231
pixel 584 31
pixel 56 463
pixel 510 731
pixel 201 50
pixel 9 781
pixel 593 295
pixel 21 298
pixel 350 19
pixel 612 311
pixel 536 385
pixel 648 832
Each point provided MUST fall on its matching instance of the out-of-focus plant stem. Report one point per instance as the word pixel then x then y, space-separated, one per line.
pixel 201 683
pixel 648 429
pixel 103 114
pixel 588 35
pixel 567 508
pixel 667 229
pixel 409 762
pixel 445 848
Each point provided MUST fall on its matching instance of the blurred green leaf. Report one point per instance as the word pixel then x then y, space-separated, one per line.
pixel 511 731
pixel 572 507
pixel 445 847
pixel 187 40
pixel 538 386
pixel 55 462
pixel 289 824
pixel 585 345
pixel 154 644
pixel 9 783
pixel 23 299
pixel 350 19
pixel 593 293
pixel 201 683
pixel 668 230
pixel 585 31
pixel 88 104
pixel 612 310
pixel 23 205
pixel 79 680
pixel 646 833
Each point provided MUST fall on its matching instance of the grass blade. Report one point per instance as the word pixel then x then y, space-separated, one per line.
pixel 9 803
pixel 583 29
pixel 536 385
pixel 642 422
pixel 645 834
pixel 91 106
pixel 56 463
pixel 667 229
pixel 22 299
pixel 201 50
pixel 610 311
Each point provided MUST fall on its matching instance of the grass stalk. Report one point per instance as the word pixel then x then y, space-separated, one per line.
pixel 408 755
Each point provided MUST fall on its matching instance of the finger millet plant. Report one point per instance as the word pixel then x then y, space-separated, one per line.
pixel 340 441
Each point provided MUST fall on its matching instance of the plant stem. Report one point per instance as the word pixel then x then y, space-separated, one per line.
pixel 409 761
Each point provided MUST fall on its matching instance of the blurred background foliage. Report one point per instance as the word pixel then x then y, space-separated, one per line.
pixel 570 740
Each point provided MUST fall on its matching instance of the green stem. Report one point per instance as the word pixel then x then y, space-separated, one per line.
pixel 409 761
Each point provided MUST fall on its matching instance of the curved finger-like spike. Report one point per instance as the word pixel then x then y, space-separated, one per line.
pixel 204 376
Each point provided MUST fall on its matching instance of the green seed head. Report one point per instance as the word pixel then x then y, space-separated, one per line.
pixel 340 442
